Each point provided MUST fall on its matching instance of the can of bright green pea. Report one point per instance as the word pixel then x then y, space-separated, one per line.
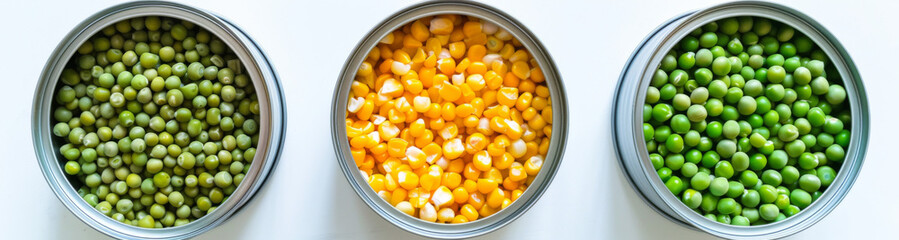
pixel 627 119
pixel 357 179
pixel 262 75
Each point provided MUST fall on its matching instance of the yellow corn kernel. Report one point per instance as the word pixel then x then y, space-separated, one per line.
pixel 521 69
pixel 452 149
pixel 396 147
pixel 547 114
pixel 451 179
pixel 524 101
pixel 359 141
pixel 445 215
pixel 498 124
pixel 528 113
pixel 516 194
pixel 457 49
pixel 399 195
pixel 476 199
pixel 508 184
pixel 495 198
pixel 494 44
pixel 407 179
pixel 533 165
pixel 475 81
pixel 414 86
pixel 467 93
pixel 469 212
pixel 477 38
pixel 544 146
pixel 417 128
pixel 507 96
pixel 477 68
pixel 433 152
pixel 495 149
pixel 507 51
pixel 400 56
pixel 437 123
pixel 476 141
pixel 416 157
pixel 442 196
pixel 450 131
pixel 548 130
pixel 517 173
pixel 392 88
pixel 464 110
pixel 448 111
pixel 374 54
pixel 367 109
pixel 421 104
pixel 528 135
pixel 456 35
pixel 460 195
pixel 441 26
pixel 424 139
pixel 471 28
pixel 428 213
pixel 446 66
pixel 494 175
pixel 477 52
pixel 510 80
pixel 482 161
pixel 486 185
pixel 463 65
pixel 539 103
pixel 503 161
pixel 358 155
pixel 460 219
pixel 426 74
pixel 387 39
pixel 542 91
pixel 419 31
pixel 395 116
pixel 406 207
pixel 527 86
pixel 471 172
pixel 450 92
pixel 471 121
pixel 513 129
pixel 411 42
pixel 456 166
pixel 518 148
pixel 537 122
pixel 506 203
pixel 376 182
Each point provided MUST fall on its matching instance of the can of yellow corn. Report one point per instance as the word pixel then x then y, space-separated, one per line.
pixel 478 111
pixel 628 112
pixel 271 126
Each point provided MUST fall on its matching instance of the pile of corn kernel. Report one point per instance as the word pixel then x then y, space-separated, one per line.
pixel 449 119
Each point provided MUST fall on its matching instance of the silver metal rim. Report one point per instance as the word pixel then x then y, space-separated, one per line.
pixel 263 76
pixel 557 140
pixel 628 111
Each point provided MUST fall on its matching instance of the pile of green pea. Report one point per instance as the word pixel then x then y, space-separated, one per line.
pixel 157 121
pixel 745 121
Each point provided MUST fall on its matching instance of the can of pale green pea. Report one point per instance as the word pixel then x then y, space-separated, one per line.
pixel 627 119
pixel 357 179
pixel 257 66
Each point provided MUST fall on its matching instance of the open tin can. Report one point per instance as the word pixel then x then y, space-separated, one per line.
pixel 557 139
pixel 262 75
pixel 627 132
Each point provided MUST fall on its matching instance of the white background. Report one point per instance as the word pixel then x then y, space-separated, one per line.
pixel 308 41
